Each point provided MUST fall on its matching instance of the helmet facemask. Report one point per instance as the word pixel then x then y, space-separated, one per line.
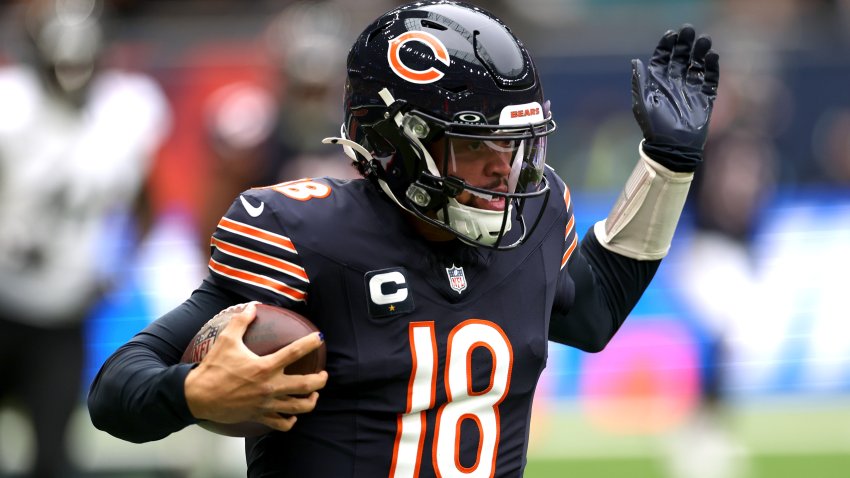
pixel 463 176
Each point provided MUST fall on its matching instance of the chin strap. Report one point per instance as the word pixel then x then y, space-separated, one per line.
pixel 645 216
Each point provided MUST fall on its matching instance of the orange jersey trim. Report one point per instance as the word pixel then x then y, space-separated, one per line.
pixel 570 228
pixel 257 234
pixel 260 258
pixel 571 225
pixel 258 281
pixel 569 251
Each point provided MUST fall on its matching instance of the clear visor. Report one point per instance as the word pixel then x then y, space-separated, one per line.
pixel 493 163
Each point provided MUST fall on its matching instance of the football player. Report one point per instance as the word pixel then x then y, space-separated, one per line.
pixel 77 140
pixel 437 279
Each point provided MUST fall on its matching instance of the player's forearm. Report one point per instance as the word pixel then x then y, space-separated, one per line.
pixel 607 287
pixel 621 280
pixel 137 397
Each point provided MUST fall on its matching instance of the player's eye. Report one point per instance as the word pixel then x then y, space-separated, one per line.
pixel 475 146
pixel 504 146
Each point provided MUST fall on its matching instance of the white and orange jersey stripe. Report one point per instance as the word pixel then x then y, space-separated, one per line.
pixel 258 280
pixel 570 236
pixel 257 234
pixel 266 260
pixel 258 258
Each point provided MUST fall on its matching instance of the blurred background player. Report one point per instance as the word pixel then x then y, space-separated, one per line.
pixel 264 131
pixel 727 203
pixel 309 42
pixel 76 142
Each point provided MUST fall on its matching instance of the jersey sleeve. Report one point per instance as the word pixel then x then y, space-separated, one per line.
pixel 253 256
pixel 138 394
pixel 596 289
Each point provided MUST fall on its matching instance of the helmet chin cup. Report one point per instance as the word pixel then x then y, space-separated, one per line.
pixel 481 226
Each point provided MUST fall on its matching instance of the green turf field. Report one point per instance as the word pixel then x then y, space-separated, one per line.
pixel 774 439
pixel 760 466
pixel 770 439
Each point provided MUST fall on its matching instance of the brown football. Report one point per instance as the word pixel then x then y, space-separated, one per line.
pixel 272 329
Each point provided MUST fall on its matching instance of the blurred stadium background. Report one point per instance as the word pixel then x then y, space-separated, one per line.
pixel 736 363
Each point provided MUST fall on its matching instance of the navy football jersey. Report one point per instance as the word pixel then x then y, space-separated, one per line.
pixel 433 349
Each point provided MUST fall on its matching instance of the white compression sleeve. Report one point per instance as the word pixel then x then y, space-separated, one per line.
pixel 644 218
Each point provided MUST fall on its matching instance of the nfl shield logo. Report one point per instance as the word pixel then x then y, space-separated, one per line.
pixel 456 278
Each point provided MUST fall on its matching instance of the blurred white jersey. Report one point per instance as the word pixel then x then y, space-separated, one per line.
pixel 63 174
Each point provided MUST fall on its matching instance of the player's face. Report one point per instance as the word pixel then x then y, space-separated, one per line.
pixel 484 164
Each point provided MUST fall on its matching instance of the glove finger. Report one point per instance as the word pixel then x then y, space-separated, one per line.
pixel 661 55
pixel 697 68
pixel 712 74
pixel 639 77
pixel 638 82
pixel 644 85
pixel 681 57
pixel 639 86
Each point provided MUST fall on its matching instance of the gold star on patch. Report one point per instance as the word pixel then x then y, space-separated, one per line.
pixel 392 308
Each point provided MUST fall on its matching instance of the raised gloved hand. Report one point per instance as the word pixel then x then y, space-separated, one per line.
pixel 673 96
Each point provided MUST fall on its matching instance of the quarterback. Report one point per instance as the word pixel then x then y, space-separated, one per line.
pixel 437 279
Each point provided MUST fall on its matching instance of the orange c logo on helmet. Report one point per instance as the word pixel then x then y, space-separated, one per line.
pixel 430 75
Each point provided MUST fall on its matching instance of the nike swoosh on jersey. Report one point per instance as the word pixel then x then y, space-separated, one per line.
pixel 253 211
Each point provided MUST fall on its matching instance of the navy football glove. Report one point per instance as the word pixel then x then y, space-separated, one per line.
pixel 672 98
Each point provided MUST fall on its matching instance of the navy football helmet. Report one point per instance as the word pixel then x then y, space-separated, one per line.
pixel 432 85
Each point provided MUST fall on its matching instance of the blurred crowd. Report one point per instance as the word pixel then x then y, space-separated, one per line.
pixel 118 115
pixel 262 83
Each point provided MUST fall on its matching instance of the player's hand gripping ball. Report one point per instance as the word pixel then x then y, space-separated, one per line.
pixel 272 329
